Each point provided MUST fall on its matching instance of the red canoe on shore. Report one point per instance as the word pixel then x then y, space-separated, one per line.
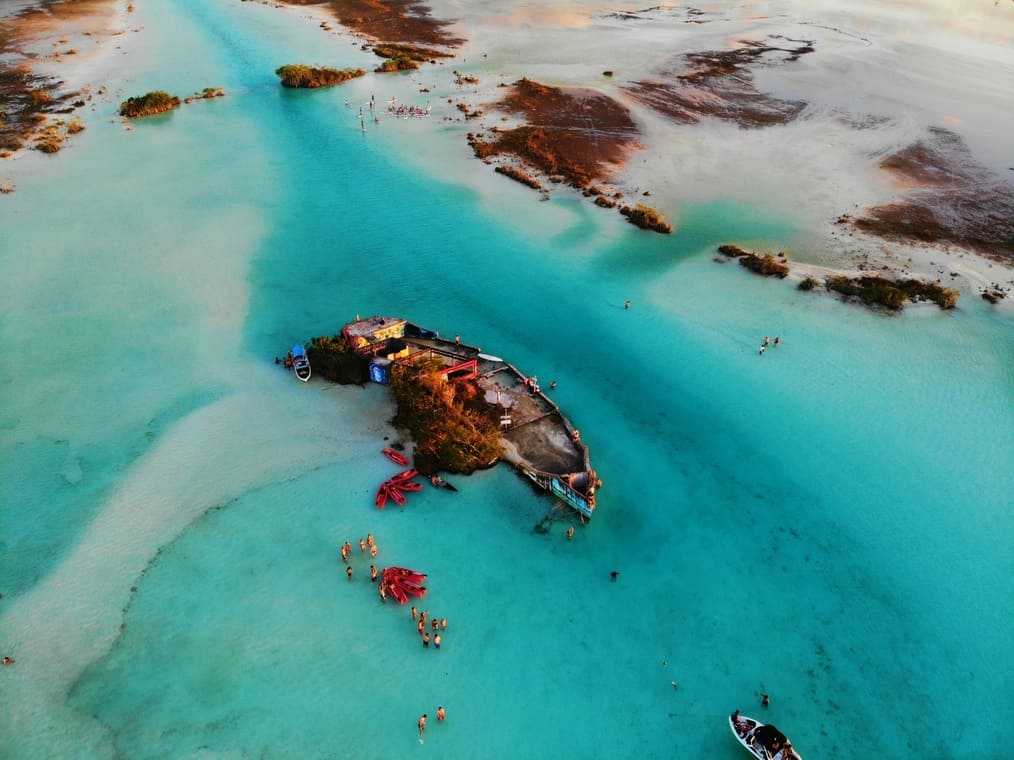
pixel 396 496
pixel 405 475
pixel 396 456
pixel 382 494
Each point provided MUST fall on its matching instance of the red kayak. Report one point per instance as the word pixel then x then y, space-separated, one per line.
pixel 400 573
pixel 396 496
pixel 407 485
pixel 401 582
pixel 396 456
pixel 405 475
pixel 382 494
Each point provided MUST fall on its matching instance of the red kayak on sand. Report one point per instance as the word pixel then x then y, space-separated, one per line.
pixel 382 494
pixel 396 456
pixel 396 496
pixel 405 475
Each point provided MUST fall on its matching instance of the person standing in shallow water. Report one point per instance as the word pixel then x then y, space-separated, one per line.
pixel 440 713
pixel 765 700
pixel 422 725
pixel 348 572
pixel 626 305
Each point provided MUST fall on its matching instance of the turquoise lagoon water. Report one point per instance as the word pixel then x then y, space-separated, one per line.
pixel 829 523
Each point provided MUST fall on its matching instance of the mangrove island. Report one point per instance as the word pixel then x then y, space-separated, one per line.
pixel 296 75
pixel 154 102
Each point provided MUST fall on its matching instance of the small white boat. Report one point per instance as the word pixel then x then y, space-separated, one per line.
pixel 762 740
pixel 300 362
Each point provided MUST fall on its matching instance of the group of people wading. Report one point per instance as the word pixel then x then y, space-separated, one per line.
pixel 428 633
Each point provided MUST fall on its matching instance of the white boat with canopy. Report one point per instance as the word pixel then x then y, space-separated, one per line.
pixel 762 740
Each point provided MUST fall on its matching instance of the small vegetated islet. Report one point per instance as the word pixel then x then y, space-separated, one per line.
pixel 871 290
pixel 766 265
pixel 415 52
pixel 893 294
pixel 398 63
pixel 647 218
pixel 516 174
pixel 206 94
pixel 298 75
pixel 154 102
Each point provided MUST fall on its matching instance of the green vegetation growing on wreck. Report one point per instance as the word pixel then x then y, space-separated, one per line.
pixel 453 427
pixel 647 218
pixel 296 75
pixel 893 294
pixel 152 103
pixel 330 359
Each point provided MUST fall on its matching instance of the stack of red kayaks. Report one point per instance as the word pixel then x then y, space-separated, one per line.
pixel 401 582
pixel 395 487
